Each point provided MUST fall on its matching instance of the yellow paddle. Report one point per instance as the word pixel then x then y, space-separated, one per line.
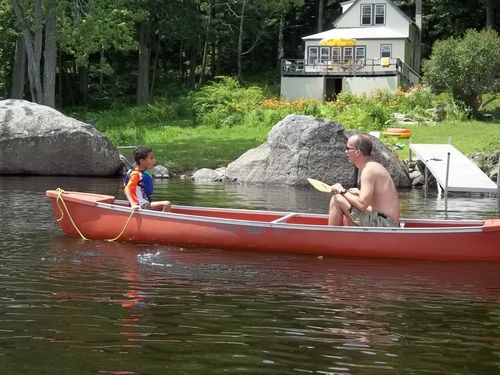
pixel 320 186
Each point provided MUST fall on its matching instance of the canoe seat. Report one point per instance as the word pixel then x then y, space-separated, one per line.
pixel 284 218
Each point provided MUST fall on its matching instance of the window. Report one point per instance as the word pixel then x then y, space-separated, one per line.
pixel 366 14
pixel 372 14
pixel 379 14
pixel 385 50
pixel 360 53
pixel 336 53
pixel 348 53
pixel 312 55
pixel 324 53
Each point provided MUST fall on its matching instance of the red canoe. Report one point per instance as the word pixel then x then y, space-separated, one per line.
pixel 102 217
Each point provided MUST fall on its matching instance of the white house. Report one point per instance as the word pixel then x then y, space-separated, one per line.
pixel 374 46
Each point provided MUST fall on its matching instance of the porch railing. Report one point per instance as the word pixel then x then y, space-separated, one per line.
pixel 341 67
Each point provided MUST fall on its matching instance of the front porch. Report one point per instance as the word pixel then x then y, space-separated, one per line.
pixel 324 79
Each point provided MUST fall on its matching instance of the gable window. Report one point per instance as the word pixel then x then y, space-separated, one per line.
pixel 379 14
pixel 372 14
pixel 366 14
pixel 385 50
pixel 312 55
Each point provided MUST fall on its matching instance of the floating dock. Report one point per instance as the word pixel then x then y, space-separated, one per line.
pixel 462 175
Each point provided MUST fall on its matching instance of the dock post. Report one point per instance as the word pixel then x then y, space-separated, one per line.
pixel 409 150
pixel 426 180
pixel 446 183
pixel 498 185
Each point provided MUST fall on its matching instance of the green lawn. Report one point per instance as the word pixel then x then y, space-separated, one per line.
pixel 468 137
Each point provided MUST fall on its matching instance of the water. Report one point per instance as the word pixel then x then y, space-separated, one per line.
pixel 90 307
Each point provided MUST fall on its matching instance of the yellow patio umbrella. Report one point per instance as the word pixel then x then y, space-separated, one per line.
pixel 337 42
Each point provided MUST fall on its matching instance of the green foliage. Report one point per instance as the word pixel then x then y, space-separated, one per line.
pixel 7 46
pixel 466 67
pixel 183 144
pixel 224 102
pixel 96 26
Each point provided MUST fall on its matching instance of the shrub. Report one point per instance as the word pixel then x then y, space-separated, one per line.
pixel 223 102
pixel 466 67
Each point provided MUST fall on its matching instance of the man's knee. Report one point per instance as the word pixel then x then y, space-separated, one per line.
pixel 336 201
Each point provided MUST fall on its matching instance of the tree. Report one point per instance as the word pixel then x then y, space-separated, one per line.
pixel 97 27
pixel 7 47
pixel 467 67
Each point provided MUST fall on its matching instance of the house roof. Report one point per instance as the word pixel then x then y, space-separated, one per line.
pixel 379 32
pixel 403 14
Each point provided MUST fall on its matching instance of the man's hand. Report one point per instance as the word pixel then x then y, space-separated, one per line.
pixel 136 207
pixel 337 188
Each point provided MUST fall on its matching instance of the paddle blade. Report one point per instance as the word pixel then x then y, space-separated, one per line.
pixel 320 186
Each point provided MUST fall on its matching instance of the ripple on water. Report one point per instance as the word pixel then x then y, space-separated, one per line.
pixel 122 308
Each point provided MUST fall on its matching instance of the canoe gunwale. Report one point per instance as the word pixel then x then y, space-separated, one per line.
pixel 476 228
pixel 101 217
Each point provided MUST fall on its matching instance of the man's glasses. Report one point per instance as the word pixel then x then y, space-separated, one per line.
pixel 347 148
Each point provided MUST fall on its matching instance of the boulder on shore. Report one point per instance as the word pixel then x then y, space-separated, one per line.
pixel 299 147
pixel 39 140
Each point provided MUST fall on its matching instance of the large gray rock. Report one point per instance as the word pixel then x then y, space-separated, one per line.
pixel 38 140
pixel 303 146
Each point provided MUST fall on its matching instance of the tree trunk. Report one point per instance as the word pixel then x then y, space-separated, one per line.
pixel 490 14
pixel 19 70
pixel 60 81
pixel 240 38
pixel 155 65
pixel 321 7
pixel 50 57
pixel 101 68
pixel 83 84
pixel 192 67
pixel 214 59
pixel 281 49
pixel 38 31
pixel 144 61
pixel 33 63
pixel 205 44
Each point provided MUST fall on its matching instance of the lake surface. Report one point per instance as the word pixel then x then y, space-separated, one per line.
pixel 69 306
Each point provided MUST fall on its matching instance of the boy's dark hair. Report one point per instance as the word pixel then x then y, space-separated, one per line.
pixel 364 143
pixel 141 152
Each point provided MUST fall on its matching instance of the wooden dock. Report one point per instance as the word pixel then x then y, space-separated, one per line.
pixel 463 174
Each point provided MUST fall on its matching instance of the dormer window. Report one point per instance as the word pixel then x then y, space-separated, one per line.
pixel 372 14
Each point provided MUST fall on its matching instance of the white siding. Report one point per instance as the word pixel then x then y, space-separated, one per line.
pixel 302 88
pixel 393 18
pixel 370 85
pixel 373 48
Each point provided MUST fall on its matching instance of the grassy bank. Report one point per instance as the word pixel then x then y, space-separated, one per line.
pixel 215 125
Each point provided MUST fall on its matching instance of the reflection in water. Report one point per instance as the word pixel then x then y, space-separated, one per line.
pixel 69 305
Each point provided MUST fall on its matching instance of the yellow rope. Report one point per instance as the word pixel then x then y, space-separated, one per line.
pixel 59 197
pixel 123 230
pixel 60 193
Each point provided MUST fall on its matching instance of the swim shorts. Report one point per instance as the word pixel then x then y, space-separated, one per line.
pixel 370 218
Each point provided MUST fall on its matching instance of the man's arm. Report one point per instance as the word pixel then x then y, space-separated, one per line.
pixel 364 199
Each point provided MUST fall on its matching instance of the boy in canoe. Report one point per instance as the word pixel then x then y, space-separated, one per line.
pixel 139 182
pixel 376 203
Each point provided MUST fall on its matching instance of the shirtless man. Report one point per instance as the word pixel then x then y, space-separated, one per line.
pixel 376 204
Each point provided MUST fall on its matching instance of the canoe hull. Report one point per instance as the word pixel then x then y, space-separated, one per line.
pixel 99 217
